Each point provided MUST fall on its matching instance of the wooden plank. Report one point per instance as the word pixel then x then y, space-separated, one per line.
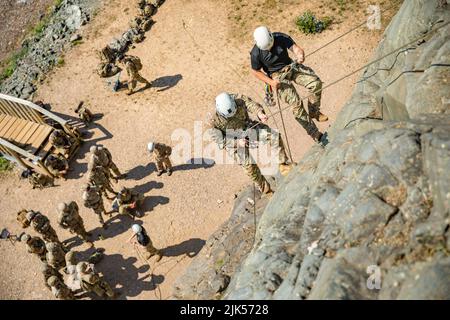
pixel 20 151
pixel 41 136
pixel 7 126
pixel 24 131
pixel 3 117
pixel 15 129
pixel 19 127
pixel 29 133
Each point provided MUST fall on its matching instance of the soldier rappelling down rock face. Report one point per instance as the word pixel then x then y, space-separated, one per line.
pixel 69 218
pixel 93 200
pixel 141 238
pixel 39 222
pixel 128 201
pixel 100 177
pixel 35 246
pixel 133 65
pixel 91 282
pixel 271 64
pixel 101 156
pixel 227 128
pixel 161 153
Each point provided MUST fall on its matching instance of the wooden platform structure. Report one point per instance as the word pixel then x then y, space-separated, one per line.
pixel 24 131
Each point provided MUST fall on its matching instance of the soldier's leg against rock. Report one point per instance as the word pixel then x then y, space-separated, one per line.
pixel 289 95
pixel 308 79
pixel 253 171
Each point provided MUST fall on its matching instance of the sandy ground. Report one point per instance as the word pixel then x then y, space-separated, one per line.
pixel 183 210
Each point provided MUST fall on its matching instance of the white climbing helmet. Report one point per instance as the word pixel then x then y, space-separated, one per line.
pixel 150 146
pixel 263 38
pixel 136 228
pixel 225 105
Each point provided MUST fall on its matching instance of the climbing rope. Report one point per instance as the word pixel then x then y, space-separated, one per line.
pixel 364 66
pixel 394 5
pixel 145 261
pixel 284 127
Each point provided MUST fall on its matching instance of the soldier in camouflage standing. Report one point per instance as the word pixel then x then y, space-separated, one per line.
pixel 161 154
pixel 69 218
pixel 127 201
pixel 93 200
pixel 56 255
pixel 59 289
pixel 39 222
pixel 48 271
pixel 101 156
pixel 133 65
pixel 100 177
pixel 84 113
pixel 62 142
pixel 57 165
pixel 35 246
pixel 92 282
pixel 228 129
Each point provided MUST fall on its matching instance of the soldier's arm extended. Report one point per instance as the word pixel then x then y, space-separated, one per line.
pixel 216 134
pixel 251 106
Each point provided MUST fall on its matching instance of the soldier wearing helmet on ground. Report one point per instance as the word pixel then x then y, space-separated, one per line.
pixel 69 218
pixel 60 289
pixel 100 177
pixel 93 200
pixel 228 129
pixel 128 201
pixel 141 238
pixel 161 154
pixel 35 246
pixel 56 255
pixel 101 156
pixel 271 64
pixel 92 282
pixel 39 222
pixel 48 271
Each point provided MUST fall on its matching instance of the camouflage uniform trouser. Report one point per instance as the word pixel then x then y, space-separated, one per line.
pixel 264 135
pixel 50 235
pixel 150 250
pixel 80 230
pixel 305 77
pixel 135 77
pixel 163 164
pixel 99 210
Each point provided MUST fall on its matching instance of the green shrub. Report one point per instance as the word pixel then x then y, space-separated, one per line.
pixel 309 24
pixel 5 165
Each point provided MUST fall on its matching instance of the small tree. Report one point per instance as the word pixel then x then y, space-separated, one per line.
pixel 309 24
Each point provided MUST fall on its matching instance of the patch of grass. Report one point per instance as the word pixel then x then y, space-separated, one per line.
pixel 10 64
pixel 5 165
pixel 60 62
pixel 308 23
pixel 77 42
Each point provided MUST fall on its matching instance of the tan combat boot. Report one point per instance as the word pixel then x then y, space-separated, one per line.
pixel 319 116
pixel 285 168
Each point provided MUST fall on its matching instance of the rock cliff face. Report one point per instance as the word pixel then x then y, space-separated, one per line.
pixel 366 217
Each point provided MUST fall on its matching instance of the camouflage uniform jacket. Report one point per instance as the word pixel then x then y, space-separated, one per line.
pixel 218 125
pixel 162 151
pixel 92 198
pixel 69 218
pixel 40 223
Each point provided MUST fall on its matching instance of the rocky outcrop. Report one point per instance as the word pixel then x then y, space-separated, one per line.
pixel 44 48
pixel 209 274
pixel 367 217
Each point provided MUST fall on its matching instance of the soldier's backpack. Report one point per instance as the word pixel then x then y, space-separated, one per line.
pixel 136 61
